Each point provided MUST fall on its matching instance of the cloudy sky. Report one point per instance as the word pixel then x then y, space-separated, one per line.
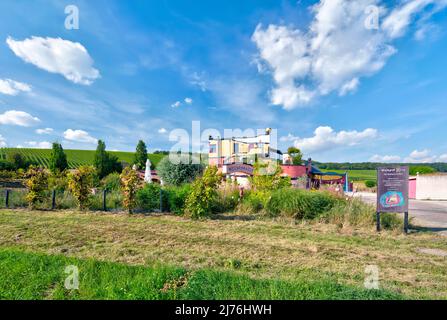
pixel 342 80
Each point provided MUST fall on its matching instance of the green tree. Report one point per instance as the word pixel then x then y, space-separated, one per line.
pixel 104 162
pixel 414 170
pixel 58 158
pixel 80 184
pixel 17 160
pixel 296 154
pixel 178 174
pixel 141 155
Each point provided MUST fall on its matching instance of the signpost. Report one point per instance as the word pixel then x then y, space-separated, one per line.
pixel 392 192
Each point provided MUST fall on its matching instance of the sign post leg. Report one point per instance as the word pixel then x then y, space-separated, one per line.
pixel 406 222
pixel 378 221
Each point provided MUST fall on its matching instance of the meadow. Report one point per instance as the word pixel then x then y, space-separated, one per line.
pixel 75 158
pixel 229 256
pixel 357 175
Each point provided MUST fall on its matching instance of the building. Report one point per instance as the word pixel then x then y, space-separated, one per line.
pixel 428 187
pixel 224 151
pixel 235 158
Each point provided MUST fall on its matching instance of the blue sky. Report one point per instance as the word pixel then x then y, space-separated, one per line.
pixel 324 74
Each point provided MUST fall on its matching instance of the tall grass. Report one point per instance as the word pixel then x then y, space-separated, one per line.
pixel 299 204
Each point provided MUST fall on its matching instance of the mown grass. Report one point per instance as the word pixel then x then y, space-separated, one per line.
pixel 38 276
pixel 262 249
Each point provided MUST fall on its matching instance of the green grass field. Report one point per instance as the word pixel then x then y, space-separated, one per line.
pixel 121 256
pixel 39 276
pixel 75 158
pixel 357 175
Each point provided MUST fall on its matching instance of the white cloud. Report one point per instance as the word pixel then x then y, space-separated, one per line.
pixel 349 86
pixel 18 118
pixel 179 104
pixel 289 137
pixel 12 87
pixel 416 156
pixel 2 141
pixel 176 104
pixel 336 50
pixel 57 55
pixel 162 130
pixel 422 156
pixel 325 138
pixel 386 158
pixel 44 131
pixel 79 136
pixel 39 145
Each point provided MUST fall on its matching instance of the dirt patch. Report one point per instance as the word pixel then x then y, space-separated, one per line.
pixel 434 252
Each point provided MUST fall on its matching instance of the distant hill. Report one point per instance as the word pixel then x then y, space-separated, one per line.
pixel 75 158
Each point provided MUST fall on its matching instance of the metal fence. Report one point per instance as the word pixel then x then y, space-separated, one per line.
pixel 100 200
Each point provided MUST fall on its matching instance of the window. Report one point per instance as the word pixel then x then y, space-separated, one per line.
pixel 213 148
pixel 236 148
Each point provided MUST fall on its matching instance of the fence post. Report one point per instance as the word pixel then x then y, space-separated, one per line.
pixel 406 222
pixel 104 198
pixel 161 200
pixel 53 200
pixel 7 199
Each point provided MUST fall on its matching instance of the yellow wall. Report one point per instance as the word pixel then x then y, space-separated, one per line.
pixel 225 148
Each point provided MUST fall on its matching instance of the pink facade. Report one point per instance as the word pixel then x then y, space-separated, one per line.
pixel 412 188
pixel 294 171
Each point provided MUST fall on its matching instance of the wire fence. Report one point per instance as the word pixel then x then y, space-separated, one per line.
pixel 100 200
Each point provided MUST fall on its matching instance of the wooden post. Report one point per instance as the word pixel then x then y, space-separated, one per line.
pixel 378 222
pixel 53 200
pixel 104 198
pixel 406 222
pixel 7 199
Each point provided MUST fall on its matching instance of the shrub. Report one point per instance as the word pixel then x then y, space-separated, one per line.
pixel 58 181
pixel 353 212
pixel 129 188
pixel 203 192
pixel 37 184
pixel 80 183
pixel 176 197
pixel 17 160
pixel 391 221
pixel 370 183
pixel 299 204
pixel 254 202
pixel 112 182
pixel 5 165
pixel 267 177
pixel 227 199
pixel 148 197
pixel 8 175
pixel 178 174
